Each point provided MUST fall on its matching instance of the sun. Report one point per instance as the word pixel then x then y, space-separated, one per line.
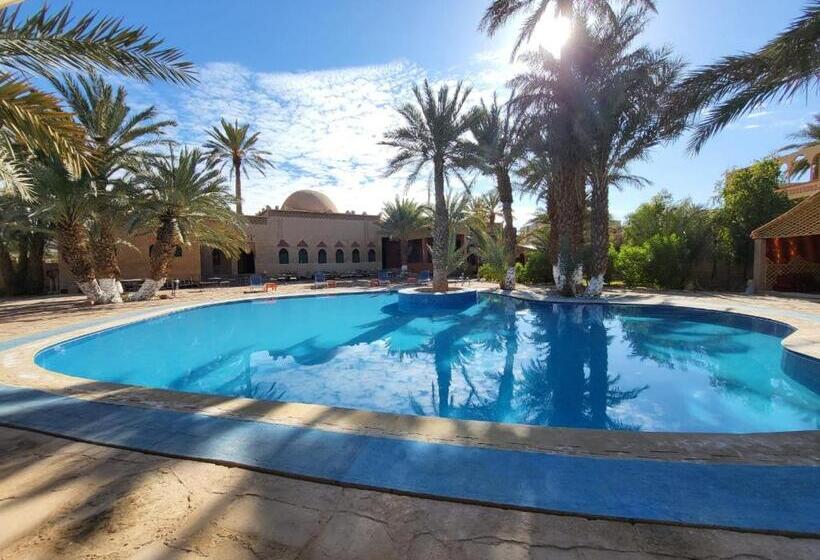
pixel 552 32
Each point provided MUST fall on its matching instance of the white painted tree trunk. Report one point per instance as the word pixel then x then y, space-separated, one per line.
pixel 595 286
pixel 91 290
pixel 509 279
pixel 111 290
pixel 148 289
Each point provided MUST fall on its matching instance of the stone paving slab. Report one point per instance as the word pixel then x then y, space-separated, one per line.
pixel 748 497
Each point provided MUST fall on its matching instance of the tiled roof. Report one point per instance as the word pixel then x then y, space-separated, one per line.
pixel 803 219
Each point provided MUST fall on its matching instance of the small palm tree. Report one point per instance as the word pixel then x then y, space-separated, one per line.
pixel 400 219
pixel 735 85
pixel 230 144
pixel 498 132
pixel 501 11
pixel 184 198
pixel 432 135
pixel 117 139
pixel 67 203
pixel 47 42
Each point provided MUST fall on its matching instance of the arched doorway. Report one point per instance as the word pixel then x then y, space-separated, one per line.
pixel 246 264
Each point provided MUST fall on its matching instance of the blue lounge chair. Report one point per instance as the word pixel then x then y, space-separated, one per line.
pixel 424 277
pixel 384 278
pixel 256 282
pixel 319 280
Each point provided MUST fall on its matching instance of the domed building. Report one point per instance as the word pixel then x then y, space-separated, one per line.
pixel 309 201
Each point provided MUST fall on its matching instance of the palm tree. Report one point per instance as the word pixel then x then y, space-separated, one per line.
pixel 117 138
pixel 501 11
pixel 184 198
pixel 630 90
pixel 47 42
pixel 735 85
pixel 69 207
pixel 433 136
pixel 498 135
pixel 400 219
pixel 808 137
pixel 231 144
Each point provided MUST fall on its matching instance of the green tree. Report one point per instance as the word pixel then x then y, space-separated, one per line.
pixel 808 137
pixel 184 197
pixel 400 219
pixel 48 42
pixel 498 131
pixel 630 90
pixel 750 197
pixel 117 138
pixel 230 144
pixel 433 135
pixel 735 85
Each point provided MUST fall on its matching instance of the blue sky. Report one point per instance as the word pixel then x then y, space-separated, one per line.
pixel 320 78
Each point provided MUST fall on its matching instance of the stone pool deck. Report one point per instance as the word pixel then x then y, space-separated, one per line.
pixel 99 510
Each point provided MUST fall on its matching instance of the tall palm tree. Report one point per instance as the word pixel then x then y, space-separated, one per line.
pixel 498 132
pixel 629 92
pixel 47 42
pixel 230 144
pixel 184 197
pixel 501 11
pixel 400 219
pixel 735 85
pixel 117 137
pixel 432 135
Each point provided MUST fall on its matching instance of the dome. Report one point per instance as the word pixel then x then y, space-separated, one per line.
pixel 309 201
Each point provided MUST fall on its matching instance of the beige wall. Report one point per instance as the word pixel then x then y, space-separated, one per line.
pixel 267 232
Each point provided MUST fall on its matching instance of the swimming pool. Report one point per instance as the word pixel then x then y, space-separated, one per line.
pixel 600 366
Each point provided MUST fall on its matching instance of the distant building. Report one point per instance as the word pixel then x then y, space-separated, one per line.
pixel 787 249
pixel 305 235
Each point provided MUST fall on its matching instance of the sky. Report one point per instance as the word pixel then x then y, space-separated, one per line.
pixel 320 80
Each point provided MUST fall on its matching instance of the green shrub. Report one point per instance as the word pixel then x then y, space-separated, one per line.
pixel 666 254
pixel 631 265
pixel 538 269
pixel 490 272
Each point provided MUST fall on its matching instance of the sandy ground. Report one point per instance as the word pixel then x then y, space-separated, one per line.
pixel 63 499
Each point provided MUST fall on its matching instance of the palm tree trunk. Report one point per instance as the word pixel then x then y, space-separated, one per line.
pixel 237 170
pixel 73 244
pixel 105 260
pixel 441 230
pixel 7 271
pixel 600 235
pixel 568 230
pixel 160 260
pixel 35 275
pixel 504 186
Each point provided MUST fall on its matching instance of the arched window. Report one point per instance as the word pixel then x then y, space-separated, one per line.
pixel 340 256
pixel 177 251
pixel 303 256
pixel 371 255
pixel 284 257
pixel 356 257
pixel 322 256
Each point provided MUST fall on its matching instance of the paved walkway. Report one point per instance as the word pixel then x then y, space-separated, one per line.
pixel 68 500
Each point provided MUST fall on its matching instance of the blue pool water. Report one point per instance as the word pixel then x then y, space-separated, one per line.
pixel 503 360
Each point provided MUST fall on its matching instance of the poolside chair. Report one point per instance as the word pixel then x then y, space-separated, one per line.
pixel 256 282
pixel 424 277
pixel 384 278
pixel 319 280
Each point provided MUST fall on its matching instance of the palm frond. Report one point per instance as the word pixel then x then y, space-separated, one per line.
pixel 47 40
